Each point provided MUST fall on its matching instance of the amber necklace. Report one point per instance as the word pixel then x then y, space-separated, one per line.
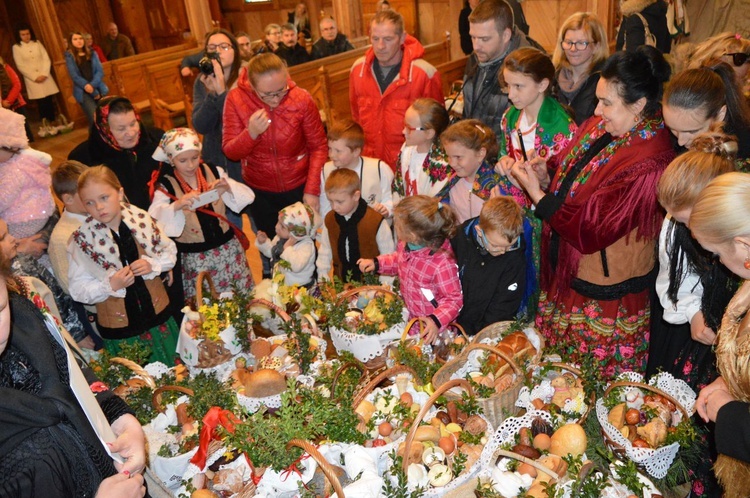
pixel 186 188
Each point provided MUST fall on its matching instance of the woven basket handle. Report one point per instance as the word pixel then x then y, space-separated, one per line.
pixel 268 304
pixel 460 330
pixel 385 374
pixel 508 359
pixel 577 372
pixel 156 397
pixel 501 452
pixel 343 368
pixel 426 407
pixel 136 369
pixel 647 387
pixel 204 276
pixel 343 296
pixel 422 323
pixel 322 462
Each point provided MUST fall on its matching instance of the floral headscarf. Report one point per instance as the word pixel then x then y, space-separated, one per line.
pixel 101 120
pixel 175 142
pixel 299 218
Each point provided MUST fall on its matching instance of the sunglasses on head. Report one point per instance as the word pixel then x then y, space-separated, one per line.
pixel 739 58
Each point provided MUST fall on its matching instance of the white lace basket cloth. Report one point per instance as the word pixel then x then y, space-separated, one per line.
pixel 573 409
pixel 366 347
pixel 655 461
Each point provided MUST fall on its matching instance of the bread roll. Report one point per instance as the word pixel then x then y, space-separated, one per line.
pixel 264 382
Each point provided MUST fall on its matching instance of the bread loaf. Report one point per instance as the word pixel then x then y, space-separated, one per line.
pixel 264 382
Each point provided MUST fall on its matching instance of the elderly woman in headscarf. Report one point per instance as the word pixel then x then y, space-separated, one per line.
pixel 119 140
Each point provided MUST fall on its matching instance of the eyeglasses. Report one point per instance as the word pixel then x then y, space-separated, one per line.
pixel 579 45
pixel 273 95
pixel 488 246
pixel 412 130
pixel 739 58
pixel 221 46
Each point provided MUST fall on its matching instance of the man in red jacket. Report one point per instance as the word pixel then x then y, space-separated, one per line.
pixel 385 82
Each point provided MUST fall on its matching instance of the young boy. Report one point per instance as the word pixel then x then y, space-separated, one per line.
pixel 352 230
pixel 65 186
pixel 292 244
pixel 490 253
pixel 345 142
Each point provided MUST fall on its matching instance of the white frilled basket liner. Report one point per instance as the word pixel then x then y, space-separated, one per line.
pixel 251 404
pixel 367 347
pixel 474 361
pixel 188 347
pixel 655 461
pixel 544 390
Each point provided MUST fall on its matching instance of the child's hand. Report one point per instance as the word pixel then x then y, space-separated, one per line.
pixel 380 208
pixel 140 267
pixel 121 279
pixel 222 185
pixel 366 265
pixel 429 330
pixel 290 242
pixel 261 237
pixel 186 201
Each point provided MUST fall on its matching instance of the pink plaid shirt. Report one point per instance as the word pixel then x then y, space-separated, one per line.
pixel 424 268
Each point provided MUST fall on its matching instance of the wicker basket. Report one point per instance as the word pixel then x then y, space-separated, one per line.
pixel 136 369
pixel 325 467
pixel 156 400
pixel 375 382
pixel 379 343
pixel 575 371
pixel 283 316
pixel 458 481
pixel 621 451
pixel 499 405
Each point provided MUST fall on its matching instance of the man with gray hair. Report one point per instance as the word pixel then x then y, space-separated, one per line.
pixel 289 49
pixel 331 42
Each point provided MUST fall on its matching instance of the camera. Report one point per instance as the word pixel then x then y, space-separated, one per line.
pixel 205 65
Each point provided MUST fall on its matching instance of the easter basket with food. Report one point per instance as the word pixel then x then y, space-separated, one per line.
pixel 558 388
pixel 494 371
pixel 647 423
pixel 442 453
pixel 365 320
pixel 208 337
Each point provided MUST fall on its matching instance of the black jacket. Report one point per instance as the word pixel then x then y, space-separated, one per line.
pixel 733 430
pixel 655 13
pixel 583 102
pixel 293 56
pixel 133 167
pixel 483 98
pixel 47 445
pixel 493 286
pixel 323 48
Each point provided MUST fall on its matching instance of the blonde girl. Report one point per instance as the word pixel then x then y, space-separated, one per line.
pixel 424 262
pixel 117 258
pixel 205 238
pixel 422 167
pixel 471 147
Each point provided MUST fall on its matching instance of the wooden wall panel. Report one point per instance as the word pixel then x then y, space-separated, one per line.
pixel 545 17
pixel 434 21
pixel 407 8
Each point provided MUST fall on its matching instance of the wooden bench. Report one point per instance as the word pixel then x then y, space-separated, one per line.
pixel 127 76
pixel 166 94
pixel 452 71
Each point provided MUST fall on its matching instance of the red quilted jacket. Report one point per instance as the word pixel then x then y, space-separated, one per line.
pixel 290 153
pixel 382 115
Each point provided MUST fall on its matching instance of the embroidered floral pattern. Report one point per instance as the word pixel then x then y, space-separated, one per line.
pixel 435 167
pixel 619 343
pixel 645 130
pixel 95 238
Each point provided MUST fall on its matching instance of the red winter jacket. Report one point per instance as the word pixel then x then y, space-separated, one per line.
pixel 290 153
pixel 382 115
